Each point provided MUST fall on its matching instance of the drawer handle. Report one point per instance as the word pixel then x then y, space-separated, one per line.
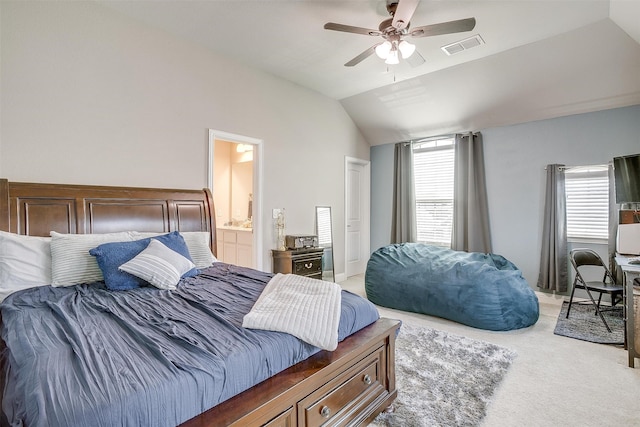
pixel 325 412
pixel 367 379
pixel 308 265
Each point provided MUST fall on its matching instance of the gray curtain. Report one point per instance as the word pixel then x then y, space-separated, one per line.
pixel 613 224
pixel 403 221
pixel 554 260
pixel 471 231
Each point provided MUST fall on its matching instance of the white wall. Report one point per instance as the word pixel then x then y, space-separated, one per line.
pixel 92 97
pixel 515 158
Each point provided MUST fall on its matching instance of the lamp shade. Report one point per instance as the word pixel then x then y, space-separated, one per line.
pixel 383 49
pixel 406 49
pixel 392 58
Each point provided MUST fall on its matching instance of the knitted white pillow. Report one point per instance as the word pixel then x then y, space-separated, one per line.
pixel 157 264
pixel 198 244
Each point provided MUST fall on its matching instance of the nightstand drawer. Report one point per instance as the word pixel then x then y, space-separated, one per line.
pixel 303 262
pixel 308 266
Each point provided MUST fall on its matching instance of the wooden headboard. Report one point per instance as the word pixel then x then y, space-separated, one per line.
pixel 36 209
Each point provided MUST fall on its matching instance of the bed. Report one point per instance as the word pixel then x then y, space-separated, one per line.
pixel 347 386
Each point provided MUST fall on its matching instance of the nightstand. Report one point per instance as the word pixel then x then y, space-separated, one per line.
pixel 303 262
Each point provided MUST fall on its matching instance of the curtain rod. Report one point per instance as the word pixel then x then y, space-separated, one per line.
pixel 565 167
pixel 432 138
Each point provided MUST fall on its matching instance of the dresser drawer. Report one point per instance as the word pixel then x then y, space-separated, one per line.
pixel 229 236
pixel 307 266
pixel 244 238
pixel 338 402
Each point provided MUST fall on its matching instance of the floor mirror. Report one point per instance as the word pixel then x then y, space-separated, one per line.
pixel 325 240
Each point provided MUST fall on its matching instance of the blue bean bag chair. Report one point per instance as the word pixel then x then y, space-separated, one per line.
pixel 485 291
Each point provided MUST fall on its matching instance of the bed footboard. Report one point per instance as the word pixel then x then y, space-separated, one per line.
pixel 347 387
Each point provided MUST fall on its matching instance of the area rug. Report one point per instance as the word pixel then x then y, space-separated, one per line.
pixel 443 379
pixel 583 324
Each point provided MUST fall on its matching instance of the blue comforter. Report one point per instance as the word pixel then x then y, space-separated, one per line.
pixel 87 356
pixel 485 291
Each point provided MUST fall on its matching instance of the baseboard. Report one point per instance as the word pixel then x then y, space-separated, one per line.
pixel 340 277
pixel 550 298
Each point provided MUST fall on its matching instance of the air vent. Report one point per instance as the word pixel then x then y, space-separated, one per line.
pixel 462 45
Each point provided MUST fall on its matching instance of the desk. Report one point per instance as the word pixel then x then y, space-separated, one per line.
pixel 632 332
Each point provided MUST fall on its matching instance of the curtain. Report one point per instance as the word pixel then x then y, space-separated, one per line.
pixel 471 231
pixel 403 221
pixel 553 259
pixel 613 224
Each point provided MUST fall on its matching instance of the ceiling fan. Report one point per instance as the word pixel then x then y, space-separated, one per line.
pixel 395 29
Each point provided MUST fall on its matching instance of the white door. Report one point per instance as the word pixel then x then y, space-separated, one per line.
pixel 357 178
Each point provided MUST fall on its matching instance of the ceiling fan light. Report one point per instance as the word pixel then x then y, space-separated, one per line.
pixel 383 49
pixel 392 59
pixel 406 49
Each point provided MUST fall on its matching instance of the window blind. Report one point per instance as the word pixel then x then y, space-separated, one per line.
pixel 323 224
pixel 433 181
pixel 587 194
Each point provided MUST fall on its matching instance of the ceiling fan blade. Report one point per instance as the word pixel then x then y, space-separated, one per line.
pixel 351 29
pixel 416 59
pixel 403 14
pixel 458 26
pixel 364 55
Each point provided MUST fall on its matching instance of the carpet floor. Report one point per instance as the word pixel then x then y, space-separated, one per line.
pixel 585 325
pixel 443 379
pixel 554 381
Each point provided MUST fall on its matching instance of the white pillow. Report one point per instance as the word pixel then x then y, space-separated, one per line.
pixel 198 244
pixel 71 262
pixel 158 265
pixel 25 262
pixel 199 248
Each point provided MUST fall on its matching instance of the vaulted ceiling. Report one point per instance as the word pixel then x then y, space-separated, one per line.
pixel 540 58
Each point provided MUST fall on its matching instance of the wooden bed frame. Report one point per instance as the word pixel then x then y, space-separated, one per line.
pixel 349 386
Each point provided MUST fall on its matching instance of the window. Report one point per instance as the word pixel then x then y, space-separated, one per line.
pixel 433 179
pixel 587 193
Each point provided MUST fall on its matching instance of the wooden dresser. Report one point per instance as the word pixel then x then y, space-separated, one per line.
pixel 303 262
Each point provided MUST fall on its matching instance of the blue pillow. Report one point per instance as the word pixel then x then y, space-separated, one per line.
pixel 112 255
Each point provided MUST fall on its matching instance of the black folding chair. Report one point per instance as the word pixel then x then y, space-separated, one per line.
pixel 587 257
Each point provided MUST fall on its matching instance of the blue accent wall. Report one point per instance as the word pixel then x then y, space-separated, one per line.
pixel 515 158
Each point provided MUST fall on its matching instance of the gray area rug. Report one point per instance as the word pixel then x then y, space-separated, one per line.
pixel 443 379
pixel 584 324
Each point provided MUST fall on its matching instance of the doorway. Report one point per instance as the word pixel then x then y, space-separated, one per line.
pixel 234 178
pixel 357 212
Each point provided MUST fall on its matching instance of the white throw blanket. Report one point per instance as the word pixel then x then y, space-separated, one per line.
pixel 306 308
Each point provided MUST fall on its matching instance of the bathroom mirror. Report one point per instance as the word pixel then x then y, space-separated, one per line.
pixel 325 240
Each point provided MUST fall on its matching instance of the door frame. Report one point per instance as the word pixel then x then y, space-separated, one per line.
pixel 258 155
pixel 365 239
